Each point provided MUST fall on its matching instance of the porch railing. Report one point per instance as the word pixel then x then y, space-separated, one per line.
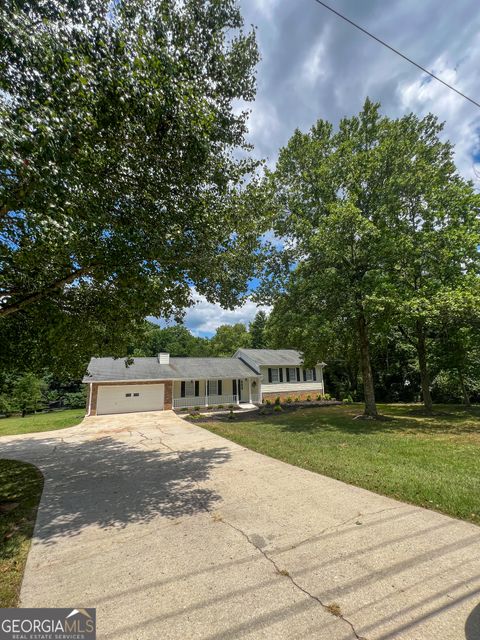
pixel 203 401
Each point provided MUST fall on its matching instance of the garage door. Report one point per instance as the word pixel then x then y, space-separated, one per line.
pixel 130 397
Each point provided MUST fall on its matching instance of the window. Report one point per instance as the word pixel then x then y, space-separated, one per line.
pixel 275 375
pixel 189 388
pixel 213 387
pixel 135 395
pixel 128 395
pixel 309 375
pixel 292 374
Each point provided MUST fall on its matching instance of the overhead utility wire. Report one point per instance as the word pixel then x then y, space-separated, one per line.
pixel 399 53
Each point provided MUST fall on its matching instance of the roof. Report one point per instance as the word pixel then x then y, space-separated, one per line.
pixel 113 369
pixel 273 357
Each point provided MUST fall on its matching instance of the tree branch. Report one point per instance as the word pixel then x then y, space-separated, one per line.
pixel 9 309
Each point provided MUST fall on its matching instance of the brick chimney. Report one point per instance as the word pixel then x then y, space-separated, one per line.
pixel 164 358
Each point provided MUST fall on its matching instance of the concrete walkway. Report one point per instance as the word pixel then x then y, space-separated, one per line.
pixel 173 532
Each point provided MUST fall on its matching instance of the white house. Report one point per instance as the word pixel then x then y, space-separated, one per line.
pixel 120 385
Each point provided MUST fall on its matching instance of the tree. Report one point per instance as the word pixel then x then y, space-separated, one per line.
pixel 329 198
pixel 28 392
pixel 376 223
pixel 176 340
pixel 119 185
pixel 257 330
pixel 228 338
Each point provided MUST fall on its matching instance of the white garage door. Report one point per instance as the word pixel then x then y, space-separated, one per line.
pixel 130 397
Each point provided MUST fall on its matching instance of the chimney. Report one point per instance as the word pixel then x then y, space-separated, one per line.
pixel 164 358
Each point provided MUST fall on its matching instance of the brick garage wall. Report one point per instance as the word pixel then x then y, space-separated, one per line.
pixel 302 395
pixel 167 398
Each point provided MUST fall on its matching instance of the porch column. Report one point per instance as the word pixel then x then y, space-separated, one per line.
pixel 206 393
pixel 250 390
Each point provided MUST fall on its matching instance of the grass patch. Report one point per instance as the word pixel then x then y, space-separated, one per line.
pixel 20 490
pixel 431 461
pixel 41 422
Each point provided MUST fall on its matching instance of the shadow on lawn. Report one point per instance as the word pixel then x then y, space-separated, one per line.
pixel 414 421
pixel 108 483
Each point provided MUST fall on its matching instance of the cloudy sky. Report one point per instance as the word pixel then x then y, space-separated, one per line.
pixel 315 65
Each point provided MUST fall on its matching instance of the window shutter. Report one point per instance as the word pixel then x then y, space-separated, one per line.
pixel 269 374
pixel 281 373
pixel 298 374
pixel 304 375
pixel 314 374
pixel 219 387
pixel 182 389
pixel 234 387
pixel 197 388
pixel 287 371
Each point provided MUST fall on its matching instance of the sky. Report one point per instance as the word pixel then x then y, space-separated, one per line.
pixel 314 65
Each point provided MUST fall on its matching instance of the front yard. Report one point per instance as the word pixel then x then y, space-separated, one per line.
pixel 50 421
pixel 429 461
pixel 20 490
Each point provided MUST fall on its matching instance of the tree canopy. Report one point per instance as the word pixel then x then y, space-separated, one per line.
pixel 120 177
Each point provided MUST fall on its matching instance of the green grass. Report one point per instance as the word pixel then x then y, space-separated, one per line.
pixel 431 461
pixel 41 422
pixel 20 487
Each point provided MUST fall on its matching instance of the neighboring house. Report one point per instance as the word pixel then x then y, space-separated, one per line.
pixel 118 385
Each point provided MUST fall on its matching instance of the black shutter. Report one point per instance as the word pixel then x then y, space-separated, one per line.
pixel 298 374
pixel 314 374
pixel 219 388
pixel 281 374
pixel 234 387
pixel 197 388
pixel 304 375
pixel 287 371
pixel 182 389
pixel 269 374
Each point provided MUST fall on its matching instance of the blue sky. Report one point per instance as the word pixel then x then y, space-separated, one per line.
pixel 316 66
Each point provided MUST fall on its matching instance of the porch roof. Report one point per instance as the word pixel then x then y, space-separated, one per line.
pixel 116 369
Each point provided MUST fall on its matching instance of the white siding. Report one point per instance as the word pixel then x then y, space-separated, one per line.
pixel 292 387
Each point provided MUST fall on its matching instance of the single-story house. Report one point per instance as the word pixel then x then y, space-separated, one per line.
pixel 122 385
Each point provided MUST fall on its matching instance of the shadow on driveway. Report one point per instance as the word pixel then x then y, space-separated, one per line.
pixel 109 483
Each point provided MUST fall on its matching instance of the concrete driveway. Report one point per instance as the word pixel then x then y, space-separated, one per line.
pixel 173 532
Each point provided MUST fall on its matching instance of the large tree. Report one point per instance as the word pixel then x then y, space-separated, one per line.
pixel 119 171
pixel 228 338
pixel 376 224
pixel 257 330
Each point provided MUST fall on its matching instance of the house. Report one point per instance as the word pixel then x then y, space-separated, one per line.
pixel 118 385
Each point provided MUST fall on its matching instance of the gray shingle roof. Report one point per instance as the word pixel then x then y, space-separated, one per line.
pixel 273 357
pixel 111 369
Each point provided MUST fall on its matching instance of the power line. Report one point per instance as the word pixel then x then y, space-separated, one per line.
pixel 399 53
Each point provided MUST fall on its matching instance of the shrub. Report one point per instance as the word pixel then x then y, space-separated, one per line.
pixel 210 408
pixel 347 400
pixel 308 398
pixel 231 407
pixel 327 396
pixel 184 409
pixel 75 400
pixel 6 406
pixel 277 407
pixel 231 415
pixel 289 400
pixel 277 401
pixel 196 409
pixel 268 402
pixel 220 406
pixel 297 399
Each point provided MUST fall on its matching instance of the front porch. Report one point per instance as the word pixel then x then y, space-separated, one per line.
pixel 215 392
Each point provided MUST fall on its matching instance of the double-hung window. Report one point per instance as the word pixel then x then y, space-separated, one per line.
pixel 309 375
pixel 292 374
pixel 275 374
pixel 189 388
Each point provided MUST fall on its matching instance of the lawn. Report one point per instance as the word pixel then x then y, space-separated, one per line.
pixel 41 422
pixel 20 490
pixel 433 461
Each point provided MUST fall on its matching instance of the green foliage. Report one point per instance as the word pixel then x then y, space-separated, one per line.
pixel 289 400
pixel 257 331
pixel 119 170
pixel 228 338
pixel 277 407
pixel 28 393
pixel 6 405
pixel 176 340
pixel 268 402
pixel 277 400
pixel 76 400
pixel 347 400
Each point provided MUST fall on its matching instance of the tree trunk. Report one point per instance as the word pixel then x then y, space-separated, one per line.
pixel 422 363
pixel 368 390
pixel 466 397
